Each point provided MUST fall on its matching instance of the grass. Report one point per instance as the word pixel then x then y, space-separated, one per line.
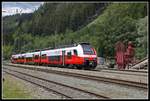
pixel 13 89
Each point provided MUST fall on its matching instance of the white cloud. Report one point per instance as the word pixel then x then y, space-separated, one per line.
pixel 15 10
pixel 12 8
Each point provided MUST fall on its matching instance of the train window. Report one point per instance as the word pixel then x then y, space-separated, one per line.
pixel 50 58
pixel 87 49
pixel 22 57
pixel 44 56
pixel 58 58
pixel 36 56
pixel 54 58
pixel 75 52
pixel 69 55
pixel 29 58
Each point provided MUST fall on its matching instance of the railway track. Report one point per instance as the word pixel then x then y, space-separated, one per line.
pixel 124 72
pixel 44 87
pixel 109 70
pixel 62 89
pixel 89 77
pixel 127 70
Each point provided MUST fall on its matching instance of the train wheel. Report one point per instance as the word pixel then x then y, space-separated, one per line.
pixel 71 66
pixel 79 67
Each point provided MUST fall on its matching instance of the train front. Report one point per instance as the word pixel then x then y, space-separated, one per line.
pixel 89 55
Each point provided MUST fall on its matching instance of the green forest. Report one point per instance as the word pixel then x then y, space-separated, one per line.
pixel 101 24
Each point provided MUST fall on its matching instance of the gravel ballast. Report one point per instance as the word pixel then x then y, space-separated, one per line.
pixel 108 89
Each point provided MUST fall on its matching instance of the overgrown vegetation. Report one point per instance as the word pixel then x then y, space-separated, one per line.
pixel 142 31
pixel 13 89
pixel 101 24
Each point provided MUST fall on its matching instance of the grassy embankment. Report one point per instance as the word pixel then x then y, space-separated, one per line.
pixel 13 89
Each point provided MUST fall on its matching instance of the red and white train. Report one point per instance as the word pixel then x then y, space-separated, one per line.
pixel 81 55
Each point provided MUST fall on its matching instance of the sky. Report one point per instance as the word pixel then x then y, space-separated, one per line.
pixel 11 8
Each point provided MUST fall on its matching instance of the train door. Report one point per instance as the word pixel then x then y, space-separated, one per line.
pixel 39 58
pixel 24 59
pixel 63 57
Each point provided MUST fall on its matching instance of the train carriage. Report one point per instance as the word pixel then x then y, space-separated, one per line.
pixel 36 57
pixel 29 58
pixel 76 55
pixel 23 59
pixel 44 58
pixel 54 57
pixel 18 58
pixel 14 58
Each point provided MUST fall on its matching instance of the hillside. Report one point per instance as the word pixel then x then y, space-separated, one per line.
pixel 102 24
pixel 53 18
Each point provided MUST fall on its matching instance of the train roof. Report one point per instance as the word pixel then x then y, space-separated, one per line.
pixel 16 55
pixel 86 43
pixel 29 54
pixel 36 53
pixel 45 50
pixel 72 45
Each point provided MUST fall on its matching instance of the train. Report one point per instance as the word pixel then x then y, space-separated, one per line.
pixel 79 55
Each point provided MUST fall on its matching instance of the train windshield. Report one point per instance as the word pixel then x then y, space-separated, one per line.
pixel 87 49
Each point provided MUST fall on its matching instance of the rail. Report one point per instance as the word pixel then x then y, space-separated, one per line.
pixel 90 77
pixel 49 81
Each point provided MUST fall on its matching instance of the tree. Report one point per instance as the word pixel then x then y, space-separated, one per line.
pixel 142 28
pixel 7 51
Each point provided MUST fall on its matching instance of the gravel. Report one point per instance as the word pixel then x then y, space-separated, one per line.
pixel 108 89
pixel 136 78
pixel 35 91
